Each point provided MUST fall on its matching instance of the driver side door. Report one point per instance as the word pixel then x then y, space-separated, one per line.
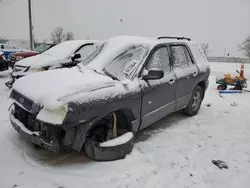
pixel 158 96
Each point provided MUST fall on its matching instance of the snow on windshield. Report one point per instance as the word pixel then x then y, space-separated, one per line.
pixel 126 64
pixel 113 48
pixel 64 49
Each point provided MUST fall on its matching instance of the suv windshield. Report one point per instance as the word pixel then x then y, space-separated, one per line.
pixel 42 48
pixel 122 66
pixel 125 65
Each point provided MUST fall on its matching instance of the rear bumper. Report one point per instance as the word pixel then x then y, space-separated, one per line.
pixel 33 137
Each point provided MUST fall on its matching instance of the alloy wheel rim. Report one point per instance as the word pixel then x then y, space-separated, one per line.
pixel 196 101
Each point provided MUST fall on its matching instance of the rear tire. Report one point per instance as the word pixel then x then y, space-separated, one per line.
pixel 194 102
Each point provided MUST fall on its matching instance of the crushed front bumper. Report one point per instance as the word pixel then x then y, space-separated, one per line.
pixel 33 137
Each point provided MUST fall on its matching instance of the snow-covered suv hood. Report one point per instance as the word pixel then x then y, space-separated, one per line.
pixel 40 61
pixel 47 88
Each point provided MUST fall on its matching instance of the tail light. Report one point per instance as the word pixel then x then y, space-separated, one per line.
pixel 2 56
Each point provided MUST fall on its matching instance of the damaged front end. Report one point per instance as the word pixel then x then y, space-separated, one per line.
pixel 37 132
pixel 28 118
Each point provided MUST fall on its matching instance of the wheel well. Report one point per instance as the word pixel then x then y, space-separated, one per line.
pixel 123 116
pixel 202 84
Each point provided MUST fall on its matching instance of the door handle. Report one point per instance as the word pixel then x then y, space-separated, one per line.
pixel 195 74
pixel 171 82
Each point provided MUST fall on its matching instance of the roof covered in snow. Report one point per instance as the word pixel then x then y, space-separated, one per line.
pixel 66 48
pixel 114 46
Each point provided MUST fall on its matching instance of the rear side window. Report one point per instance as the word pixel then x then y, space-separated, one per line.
pixel 180 56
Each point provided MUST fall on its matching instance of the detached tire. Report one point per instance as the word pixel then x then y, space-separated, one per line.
pixel 195 102
pixel 95 151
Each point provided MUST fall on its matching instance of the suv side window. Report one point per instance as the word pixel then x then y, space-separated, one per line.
pixel 180 56
pixel 2 46
pixel 160 60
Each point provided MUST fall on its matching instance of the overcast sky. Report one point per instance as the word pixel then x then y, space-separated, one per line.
pixel 221 23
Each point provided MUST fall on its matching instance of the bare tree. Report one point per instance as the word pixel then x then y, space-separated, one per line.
pixel 58 35
pixel 69 36
pixel 205 47
pixel 245 47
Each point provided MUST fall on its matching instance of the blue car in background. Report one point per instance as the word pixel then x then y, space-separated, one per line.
pixel 8 49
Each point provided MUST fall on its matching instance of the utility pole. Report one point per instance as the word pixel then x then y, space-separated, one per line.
pixel 30 26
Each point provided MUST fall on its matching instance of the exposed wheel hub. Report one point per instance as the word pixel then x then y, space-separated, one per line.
pixel 196 101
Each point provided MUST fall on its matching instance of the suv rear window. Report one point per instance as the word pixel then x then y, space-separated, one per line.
pixel 198 53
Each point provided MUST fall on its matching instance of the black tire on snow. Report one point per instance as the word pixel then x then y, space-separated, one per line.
pixel 98 153
pixel 189 109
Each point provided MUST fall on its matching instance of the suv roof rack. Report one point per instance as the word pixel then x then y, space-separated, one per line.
pixel 178 38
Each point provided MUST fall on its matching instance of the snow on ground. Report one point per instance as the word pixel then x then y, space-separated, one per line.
pixel 174 152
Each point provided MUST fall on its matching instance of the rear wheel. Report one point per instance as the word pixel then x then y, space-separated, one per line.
pixel 103 143
pixel 195 102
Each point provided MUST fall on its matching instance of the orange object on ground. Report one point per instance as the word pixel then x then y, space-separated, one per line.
pixel 242 70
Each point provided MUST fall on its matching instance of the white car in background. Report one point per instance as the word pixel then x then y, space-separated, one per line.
pixel 64 55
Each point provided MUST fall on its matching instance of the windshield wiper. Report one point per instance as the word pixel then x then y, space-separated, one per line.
pixel 110 75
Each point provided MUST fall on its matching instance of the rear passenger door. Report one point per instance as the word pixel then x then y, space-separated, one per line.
pixel 186 72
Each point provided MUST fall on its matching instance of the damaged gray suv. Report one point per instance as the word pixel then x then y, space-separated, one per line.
pixel 127 84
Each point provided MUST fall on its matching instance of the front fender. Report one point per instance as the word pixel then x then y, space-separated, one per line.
pixel 81 133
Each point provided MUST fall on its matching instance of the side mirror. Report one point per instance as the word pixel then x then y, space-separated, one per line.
pixel 76 56
pixel 155 74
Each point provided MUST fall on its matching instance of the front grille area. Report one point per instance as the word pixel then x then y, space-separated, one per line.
pixel 47 132
pixel 27 103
